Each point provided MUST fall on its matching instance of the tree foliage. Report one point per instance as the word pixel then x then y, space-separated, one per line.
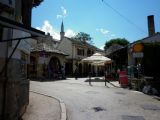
pixel 119 41
pixel 83 37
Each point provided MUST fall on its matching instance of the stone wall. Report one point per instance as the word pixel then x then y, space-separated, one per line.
pixel 17 91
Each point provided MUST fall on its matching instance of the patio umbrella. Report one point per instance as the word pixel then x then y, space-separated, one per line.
pixel 101 63
pixel 97 57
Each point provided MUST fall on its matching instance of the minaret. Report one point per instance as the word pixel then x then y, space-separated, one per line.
pixel 62 31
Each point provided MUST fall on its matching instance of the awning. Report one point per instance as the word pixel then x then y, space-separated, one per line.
pixel 5 22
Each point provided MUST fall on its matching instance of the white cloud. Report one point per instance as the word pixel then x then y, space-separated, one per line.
pixel 102 47
pixel 48 28
pixel 64 11
pixel 103 31
pixel 70 33
pixel 38 28
pixel 63 14
pixel 59 16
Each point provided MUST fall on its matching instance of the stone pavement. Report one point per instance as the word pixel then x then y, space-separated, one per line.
pixel 98 102
pixel 43 107
pixel 128 105
pixel 95 81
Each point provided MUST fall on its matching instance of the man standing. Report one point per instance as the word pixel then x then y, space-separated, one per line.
pixel 105 75
pixel 76 71
pixel 63 72
pixel 90 75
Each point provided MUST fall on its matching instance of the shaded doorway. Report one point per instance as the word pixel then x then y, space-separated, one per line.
pixel 54 68
pixel 86 69
pixel 93 71
pixel 32 67
pixel 90 69
pixel 80 70
pixel 69 69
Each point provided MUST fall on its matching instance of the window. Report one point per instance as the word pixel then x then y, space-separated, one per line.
pixel 89 52
pixel 80 52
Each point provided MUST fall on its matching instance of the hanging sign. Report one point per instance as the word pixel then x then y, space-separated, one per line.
pixel 138 47
pixel 138 54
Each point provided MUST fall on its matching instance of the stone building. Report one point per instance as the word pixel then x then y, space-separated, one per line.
pixel 15 36
pixel 46 61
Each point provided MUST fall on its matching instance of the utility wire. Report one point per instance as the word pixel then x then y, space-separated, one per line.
pixel 125 18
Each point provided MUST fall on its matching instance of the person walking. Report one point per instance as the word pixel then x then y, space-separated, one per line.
pixel 76 73
pixel 106 75
pixel 90 75
pixel 117 74
pixel 63 72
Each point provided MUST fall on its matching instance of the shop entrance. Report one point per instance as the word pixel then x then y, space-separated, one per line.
pixel 54 68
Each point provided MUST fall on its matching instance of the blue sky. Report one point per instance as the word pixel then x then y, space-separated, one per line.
pixel 97 18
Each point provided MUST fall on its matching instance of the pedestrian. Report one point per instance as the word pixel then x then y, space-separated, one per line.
pixel 117 74
pixel 49 71
pixel 106 75
pixel 76 73
pixel 63 72
pixel 90 75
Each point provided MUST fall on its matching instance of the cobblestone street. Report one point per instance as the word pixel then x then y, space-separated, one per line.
pixel 99 102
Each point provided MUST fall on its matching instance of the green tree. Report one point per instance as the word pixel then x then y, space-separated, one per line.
pixel 119 41
pixel 83 37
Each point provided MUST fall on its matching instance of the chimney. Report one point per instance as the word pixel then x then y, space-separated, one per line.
pixel 151 28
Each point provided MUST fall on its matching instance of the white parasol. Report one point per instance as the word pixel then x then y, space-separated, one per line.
pixel 97 58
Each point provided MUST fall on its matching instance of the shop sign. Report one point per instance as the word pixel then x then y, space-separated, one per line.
pixel 138 47
pixel 138 54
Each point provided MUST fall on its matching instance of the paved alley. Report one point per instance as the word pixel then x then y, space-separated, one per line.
pixel 99 102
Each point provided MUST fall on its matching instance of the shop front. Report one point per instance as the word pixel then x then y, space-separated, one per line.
pixel 143 60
